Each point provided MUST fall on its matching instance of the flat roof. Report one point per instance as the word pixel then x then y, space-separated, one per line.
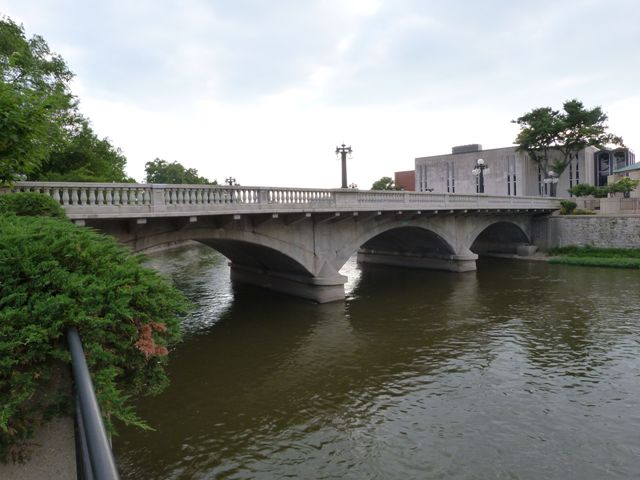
pixel 477 152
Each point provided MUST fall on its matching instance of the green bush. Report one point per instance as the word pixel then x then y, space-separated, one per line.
pixel 580 211
pixel 567 207
pixel 582 190
pixel 30 204
pixel 54 275
pixel 624 185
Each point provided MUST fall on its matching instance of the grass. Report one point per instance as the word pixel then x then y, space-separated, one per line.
pixel 597 257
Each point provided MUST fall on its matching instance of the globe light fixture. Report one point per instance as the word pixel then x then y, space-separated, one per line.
pixel 478 171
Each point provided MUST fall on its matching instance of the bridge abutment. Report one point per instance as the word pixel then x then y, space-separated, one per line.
pixel 317 289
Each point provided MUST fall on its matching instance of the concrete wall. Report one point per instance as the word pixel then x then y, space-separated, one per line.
pixel 596 230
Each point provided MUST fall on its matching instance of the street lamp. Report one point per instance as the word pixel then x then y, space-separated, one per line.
pixel 478 171
pixel 353 186
pixel 551 180
pixel 343 150
pixel 230 181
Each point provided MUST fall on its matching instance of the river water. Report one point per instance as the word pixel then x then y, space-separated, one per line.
pixel 521 370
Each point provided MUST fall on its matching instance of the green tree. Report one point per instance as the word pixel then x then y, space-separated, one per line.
pixel 161 171
pixel 35 101
pixel 42 134
pixel 553 138
pixel 624 185
pixel 84 157
pixel 385 183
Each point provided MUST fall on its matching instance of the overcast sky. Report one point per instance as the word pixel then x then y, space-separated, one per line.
pixel 264 90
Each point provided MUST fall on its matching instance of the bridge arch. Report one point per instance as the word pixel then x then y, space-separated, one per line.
pixel 417 240
pixel 244 248
pixel 499 236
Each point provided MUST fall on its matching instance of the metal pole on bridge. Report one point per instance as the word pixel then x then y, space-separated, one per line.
pixel 343 151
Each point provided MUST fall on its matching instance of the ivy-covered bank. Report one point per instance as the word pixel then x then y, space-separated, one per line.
pixel 54 275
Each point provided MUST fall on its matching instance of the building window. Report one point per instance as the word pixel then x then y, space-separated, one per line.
pixel 451 179
pixel 619 159
pixel 603 168
pixel 511 175
pixel 574 173
pixel 542 187
pixel 423 179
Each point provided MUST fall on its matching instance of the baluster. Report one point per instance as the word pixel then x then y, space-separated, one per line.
pixel 65 196
pixel 92 196
pixel 116 196
pixel 199 197
pixel 56 195
pixel 108 197
pixel 83 196
pixel 74 196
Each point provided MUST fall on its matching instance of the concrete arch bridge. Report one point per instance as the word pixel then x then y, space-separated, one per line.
pixel 295 240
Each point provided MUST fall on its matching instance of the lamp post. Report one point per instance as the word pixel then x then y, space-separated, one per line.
pixel 551 180
pixel 230 181
pixel 478 171
pixel 343 150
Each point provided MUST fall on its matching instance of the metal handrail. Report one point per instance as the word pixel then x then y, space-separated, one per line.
pixel 94 457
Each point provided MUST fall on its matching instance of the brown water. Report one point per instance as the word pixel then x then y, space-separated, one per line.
pixel 521 370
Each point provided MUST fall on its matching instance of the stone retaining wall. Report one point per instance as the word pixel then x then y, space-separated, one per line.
pixel 606 231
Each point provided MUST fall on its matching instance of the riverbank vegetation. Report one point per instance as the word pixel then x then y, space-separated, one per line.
pixel 55 275
pixel 596 257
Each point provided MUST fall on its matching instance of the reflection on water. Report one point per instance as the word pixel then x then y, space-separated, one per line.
pixel 519 370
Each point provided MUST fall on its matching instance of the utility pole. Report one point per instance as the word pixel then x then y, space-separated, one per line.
pixel 343 150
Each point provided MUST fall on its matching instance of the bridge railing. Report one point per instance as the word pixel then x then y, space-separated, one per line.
pixel 129 199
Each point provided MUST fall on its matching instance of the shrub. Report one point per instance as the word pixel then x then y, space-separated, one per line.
pixel 53 275
pixel 580 211
pixel 30 204
pixel 601 192
pixel 582 190
pixel 624 185
pixel 567 207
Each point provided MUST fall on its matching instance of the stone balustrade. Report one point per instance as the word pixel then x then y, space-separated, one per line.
pixel 108 200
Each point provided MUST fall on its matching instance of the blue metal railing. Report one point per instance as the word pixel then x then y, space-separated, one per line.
pixel 94 458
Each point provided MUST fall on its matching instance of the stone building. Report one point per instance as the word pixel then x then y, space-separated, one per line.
pixel 508 172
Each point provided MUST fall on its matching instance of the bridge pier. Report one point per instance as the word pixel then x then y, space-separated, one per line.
pixel 317 289
pixel 448 262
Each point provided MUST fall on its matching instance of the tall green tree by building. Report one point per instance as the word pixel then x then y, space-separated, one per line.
pixel 553 138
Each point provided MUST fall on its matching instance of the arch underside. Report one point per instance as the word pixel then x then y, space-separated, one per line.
pixel 501 237
pixel 413 241
pixel 255 256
